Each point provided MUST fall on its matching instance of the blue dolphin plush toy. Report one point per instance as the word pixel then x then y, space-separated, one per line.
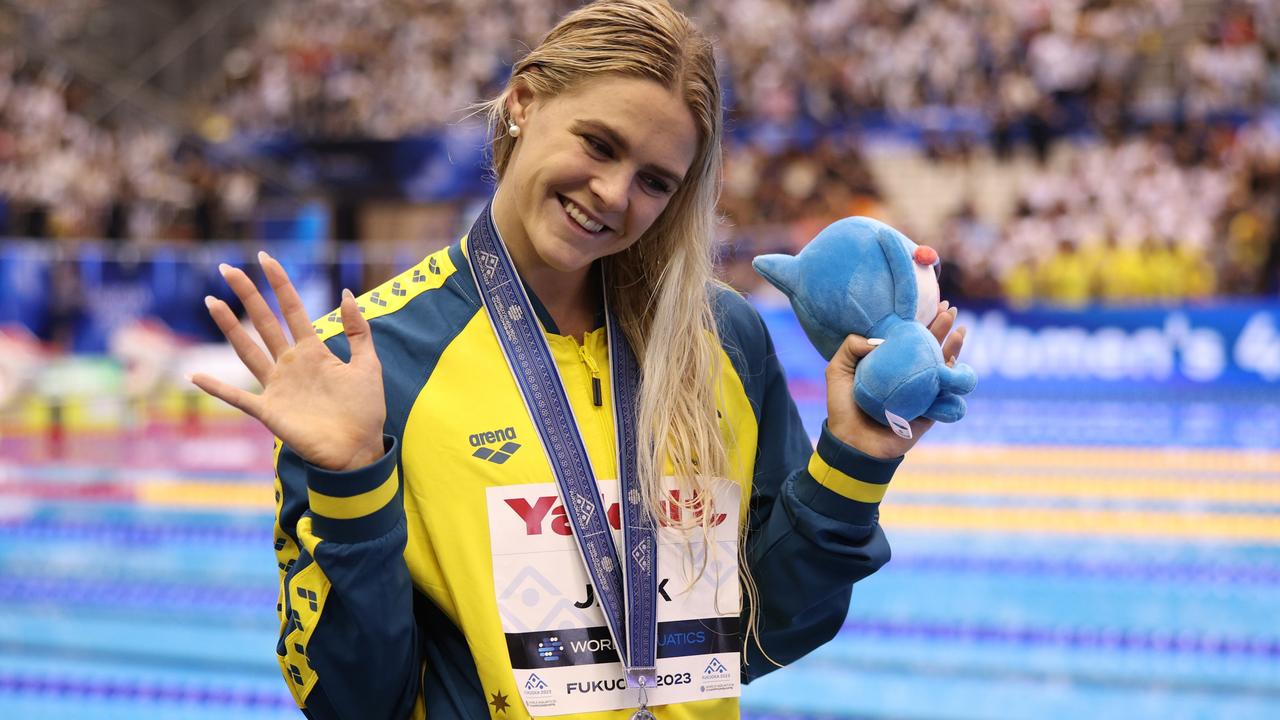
pixel 862 277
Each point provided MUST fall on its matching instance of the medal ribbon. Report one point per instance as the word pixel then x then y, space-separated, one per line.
pixel 626 586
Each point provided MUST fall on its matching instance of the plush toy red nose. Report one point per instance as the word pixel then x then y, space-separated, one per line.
pixel 926 255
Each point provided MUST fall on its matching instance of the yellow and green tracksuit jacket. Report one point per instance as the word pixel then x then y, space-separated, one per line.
pixel 387 598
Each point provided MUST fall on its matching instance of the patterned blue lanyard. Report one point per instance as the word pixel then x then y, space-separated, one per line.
pixel 520 335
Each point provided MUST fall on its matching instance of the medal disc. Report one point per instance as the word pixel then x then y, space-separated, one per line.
pixel 643 714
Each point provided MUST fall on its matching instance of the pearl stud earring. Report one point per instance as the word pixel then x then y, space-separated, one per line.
pixel 514 130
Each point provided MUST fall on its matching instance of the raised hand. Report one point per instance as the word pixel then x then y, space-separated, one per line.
pixel 847 422
pixel 328 411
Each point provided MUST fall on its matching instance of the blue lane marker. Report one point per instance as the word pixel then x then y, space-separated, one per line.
pixel 43 530
pixel 134 594
pixel 145 691
pixel 1165 643
pixel 994 500
pixel 1076 569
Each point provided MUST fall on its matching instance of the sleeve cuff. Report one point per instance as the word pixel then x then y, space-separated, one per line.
pixel 356 505
pixel 844 483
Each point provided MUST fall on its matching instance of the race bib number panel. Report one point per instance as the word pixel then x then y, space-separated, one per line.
pixel 561 652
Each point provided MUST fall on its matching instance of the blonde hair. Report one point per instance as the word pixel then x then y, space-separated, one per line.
pixel 660 285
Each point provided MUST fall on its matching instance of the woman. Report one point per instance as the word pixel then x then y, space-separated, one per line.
pixel 432 430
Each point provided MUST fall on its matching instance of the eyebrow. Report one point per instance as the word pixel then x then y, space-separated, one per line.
pixel 612 136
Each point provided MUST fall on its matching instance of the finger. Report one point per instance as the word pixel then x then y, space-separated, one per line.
pixel 243 400
pixel 853 349
pixel 295 315
pixel 356 327
pixel 942 323
pixel 856 347
pixel 247 350
pixel 951 348
pixel 259 312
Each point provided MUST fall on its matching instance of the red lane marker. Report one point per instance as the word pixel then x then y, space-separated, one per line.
pixel 91 492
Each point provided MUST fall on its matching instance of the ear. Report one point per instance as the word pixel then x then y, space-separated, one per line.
pixel 520 101
pixel 901 269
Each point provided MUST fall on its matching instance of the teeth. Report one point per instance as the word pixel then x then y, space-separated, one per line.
pixel 576 213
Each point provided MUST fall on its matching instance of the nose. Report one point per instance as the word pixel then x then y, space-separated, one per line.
pixel 612 189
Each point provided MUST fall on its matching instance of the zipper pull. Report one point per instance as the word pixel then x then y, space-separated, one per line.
pixel 597 396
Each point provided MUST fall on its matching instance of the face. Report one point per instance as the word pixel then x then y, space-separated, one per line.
pixel 591 171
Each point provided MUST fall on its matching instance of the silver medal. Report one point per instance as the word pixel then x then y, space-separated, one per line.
pixel 643 714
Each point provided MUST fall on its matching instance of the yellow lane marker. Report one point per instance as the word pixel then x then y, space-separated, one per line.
pixel 1093 486
pixel 207 495
pixel 1106 458
pixel 1238 527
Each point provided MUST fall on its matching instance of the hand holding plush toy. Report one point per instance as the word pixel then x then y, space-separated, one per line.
pixel 862 277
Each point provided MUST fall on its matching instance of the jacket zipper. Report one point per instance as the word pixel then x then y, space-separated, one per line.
pixel 596 394
pixel 597 398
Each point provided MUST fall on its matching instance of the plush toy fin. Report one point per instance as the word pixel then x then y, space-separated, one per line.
pixel 900 268
pixel 948 408
pixel 785 273
pixel 782 271
pixel 960 379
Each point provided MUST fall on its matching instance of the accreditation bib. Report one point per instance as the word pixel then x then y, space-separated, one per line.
pixel 560 647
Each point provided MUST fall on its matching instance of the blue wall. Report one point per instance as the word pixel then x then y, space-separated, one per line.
pixel 1096 349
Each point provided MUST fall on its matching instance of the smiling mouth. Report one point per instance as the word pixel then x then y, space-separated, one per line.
pixel 580 216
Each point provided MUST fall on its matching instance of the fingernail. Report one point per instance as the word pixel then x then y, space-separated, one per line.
pixel 346 293
pixel 951 360
pixel 263 256
pixel 875 342
pixel 189 378
pixel 223 269
pixel 208 301
pixel 945 304
pixel 953 311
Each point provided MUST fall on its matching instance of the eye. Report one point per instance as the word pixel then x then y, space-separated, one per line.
pixel 656 185
pixel 598 146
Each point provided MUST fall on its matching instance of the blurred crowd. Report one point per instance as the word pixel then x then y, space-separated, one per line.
pixel 1170 213
pixel 1021 67
pixel 376 69
pixel 1125 205
pixel 1173 214
pixel 64 175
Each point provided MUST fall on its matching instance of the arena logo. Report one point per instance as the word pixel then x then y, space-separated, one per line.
pixel 482 440
pixel 492 436
pixel 1165 351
